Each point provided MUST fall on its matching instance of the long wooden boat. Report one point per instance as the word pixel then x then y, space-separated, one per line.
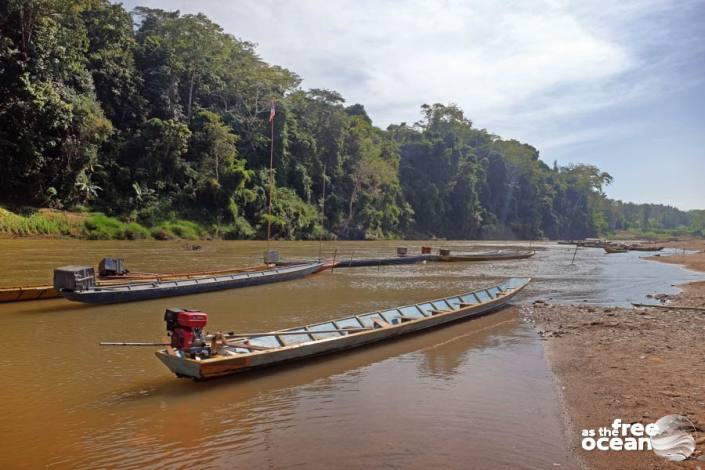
pixel 615 248
pixel 41 291
pixel 155 290
pixel 244 353
pixel 394 260
pixel 17 294
pixel 139 276
pixel 488 255
pixel 638 247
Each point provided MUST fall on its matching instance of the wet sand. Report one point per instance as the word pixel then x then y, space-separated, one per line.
pixel 637 364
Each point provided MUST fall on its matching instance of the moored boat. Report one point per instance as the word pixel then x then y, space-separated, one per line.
pixel 614 248
pixel 360 262
pixel 167 288
pixel 200 356
pixel 42 291
pixel 638 247
pixel 446 255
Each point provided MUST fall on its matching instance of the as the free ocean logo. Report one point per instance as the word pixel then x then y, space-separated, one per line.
pixel 671 437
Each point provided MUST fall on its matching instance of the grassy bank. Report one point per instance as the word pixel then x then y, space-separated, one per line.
pixel 92 226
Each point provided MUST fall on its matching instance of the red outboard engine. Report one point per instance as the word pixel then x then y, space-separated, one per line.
pixel 186 330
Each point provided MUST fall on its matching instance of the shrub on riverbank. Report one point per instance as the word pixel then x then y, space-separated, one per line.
pixel 44 222
pixel 94 226
pixel 177 229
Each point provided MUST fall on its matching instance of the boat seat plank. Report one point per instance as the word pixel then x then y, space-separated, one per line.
pixel 368 319
pixel 411 311
pixel 440 305
pixel 352 322
pixel 483 296
pixel 438 312
pixel 425 309
pixel 290 340
pixel 326 327
pixel 390 315
pixel 470 298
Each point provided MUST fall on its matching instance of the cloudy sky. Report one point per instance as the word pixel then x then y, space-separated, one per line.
pixel 617 84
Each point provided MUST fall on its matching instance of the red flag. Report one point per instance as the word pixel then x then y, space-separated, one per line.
pixel 272 112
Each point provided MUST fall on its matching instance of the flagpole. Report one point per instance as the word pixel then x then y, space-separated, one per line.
pixel 271 179
pixel 323 216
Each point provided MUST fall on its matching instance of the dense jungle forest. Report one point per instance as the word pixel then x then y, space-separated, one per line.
pixel 152 116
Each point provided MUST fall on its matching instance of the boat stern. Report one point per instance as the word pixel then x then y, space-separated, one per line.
pixel 179 366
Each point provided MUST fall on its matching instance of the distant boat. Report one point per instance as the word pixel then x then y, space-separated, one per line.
pixel 168 288
pixel 495 255
pixel 638 247
pixel 199 356
pixel 612 248
pixel 359 262
pixel 591 243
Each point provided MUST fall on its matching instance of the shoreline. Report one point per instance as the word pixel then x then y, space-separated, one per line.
pixel 634 364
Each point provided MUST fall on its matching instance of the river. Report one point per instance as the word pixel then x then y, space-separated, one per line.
pixel 474 394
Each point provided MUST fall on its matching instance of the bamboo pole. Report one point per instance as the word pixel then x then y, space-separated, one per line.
pixel 240 336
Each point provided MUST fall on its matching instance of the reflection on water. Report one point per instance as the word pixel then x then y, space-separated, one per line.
pixel 476 391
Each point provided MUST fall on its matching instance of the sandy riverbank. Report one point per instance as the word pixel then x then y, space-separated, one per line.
pixel 634 364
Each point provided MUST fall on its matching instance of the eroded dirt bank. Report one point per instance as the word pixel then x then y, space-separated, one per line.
pixel 634 364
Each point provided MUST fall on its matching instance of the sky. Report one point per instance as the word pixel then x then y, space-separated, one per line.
pixel 617 84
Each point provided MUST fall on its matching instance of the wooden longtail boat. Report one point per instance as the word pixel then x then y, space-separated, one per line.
pixel 17 294
pixel 359 262
pixel 155 290
pixel 41 292
pixel 615 248
pixel 644 248
pixel 137 276
pixel 240 353
pixel 487 255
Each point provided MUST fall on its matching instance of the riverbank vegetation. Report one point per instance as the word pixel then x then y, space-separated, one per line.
pixel 151 118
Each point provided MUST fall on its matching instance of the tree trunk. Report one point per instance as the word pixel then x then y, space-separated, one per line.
pixel 190 96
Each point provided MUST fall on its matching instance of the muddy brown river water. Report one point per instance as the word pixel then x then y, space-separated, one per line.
pixel 476 394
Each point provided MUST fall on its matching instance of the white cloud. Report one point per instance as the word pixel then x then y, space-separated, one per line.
pixel 489 57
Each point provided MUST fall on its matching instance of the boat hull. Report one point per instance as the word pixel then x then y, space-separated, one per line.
pixel 486 256
pixel 18 294
pixel 218 367
pixel 361 262
pixel 157 290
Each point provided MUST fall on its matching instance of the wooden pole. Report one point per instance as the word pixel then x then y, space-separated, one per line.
pixel 323 215
pixel 271 180
pixel 288 333
pixel 241 336
pixel 574 253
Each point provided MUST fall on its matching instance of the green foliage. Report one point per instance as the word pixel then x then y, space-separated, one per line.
pixel 38 223
pixel 101 227
pixel 178 229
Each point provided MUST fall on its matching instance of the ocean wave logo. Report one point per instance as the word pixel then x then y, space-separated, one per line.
pixel 672 438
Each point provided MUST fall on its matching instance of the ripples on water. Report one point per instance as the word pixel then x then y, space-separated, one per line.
pixel 476 394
